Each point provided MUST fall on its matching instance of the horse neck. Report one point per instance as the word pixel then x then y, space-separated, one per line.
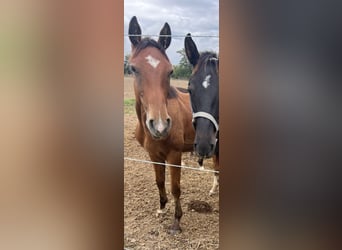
pixel 138 109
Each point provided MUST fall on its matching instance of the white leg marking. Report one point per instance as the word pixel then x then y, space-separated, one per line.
pixel 152 61
pixel 160 211
pixel 213 190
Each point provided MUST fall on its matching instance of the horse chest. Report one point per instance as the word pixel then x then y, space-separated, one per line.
pixel 175 142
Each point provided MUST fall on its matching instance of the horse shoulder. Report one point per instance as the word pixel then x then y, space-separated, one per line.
pixel 183 133
pixel 181 105
pixel 186 114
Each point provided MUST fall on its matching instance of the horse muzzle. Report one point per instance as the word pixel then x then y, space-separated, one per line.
pixel 205 149
pixel 159 129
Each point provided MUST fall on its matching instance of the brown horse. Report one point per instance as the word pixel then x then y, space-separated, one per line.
pixel 204 94
pixel 164 114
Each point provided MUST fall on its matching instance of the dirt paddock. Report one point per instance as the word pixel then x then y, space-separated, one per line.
pixel 142 228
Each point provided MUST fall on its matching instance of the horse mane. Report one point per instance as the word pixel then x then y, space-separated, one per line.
pixel 183 90
pixel 173 93
pixel 207 57
pixel 149 42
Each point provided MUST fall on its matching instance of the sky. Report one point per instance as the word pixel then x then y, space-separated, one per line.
pixel 198 17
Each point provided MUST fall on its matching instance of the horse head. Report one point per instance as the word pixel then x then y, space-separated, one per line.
pixel 204 93
pixel 152 70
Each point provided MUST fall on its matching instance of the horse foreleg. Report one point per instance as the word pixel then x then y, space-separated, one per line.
pixel 213 190
pixel 160 180
pixel 175 158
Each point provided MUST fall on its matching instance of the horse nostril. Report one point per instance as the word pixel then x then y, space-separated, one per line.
pixel 168 120
pixel 151 121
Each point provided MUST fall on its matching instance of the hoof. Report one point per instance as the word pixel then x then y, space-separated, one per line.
pixel 174 231
pixel 175 228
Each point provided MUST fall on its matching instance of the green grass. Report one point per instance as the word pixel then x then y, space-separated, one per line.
pixel 129 106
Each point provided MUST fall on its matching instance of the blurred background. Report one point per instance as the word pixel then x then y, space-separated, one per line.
pixel 61 151
pixel 282 159
pixel 61 164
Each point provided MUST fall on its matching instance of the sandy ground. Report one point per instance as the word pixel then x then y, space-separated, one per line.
pixel 143 230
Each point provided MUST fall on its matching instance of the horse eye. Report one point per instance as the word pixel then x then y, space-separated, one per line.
pixel 171 72
pixel 133 69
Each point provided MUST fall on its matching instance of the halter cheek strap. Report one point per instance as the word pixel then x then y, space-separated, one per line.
pixel 207 116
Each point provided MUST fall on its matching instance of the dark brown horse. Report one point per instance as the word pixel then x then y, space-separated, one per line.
pixel 164 126
pixel 204 93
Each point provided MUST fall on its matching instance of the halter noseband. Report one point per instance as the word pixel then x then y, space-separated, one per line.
pixel 207 116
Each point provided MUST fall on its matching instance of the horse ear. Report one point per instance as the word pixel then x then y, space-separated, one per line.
pixel 165 36
pixel 134 31
pixel 191 50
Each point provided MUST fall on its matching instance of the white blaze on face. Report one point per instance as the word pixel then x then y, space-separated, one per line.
pixel 206 82
pixel 152 61
pixel 147 120
pixel 160 126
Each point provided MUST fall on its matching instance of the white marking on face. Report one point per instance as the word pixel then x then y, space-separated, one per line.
pixel 147 120
pixel 206 82
pixel 160 126
pixel 152 61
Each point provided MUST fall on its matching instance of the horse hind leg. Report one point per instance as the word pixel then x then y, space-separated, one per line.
pixel 175 158
pixel 213 190
pixel 160 180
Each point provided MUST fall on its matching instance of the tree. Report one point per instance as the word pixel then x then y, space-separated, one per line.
pixel 127 70
pixel 184 68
